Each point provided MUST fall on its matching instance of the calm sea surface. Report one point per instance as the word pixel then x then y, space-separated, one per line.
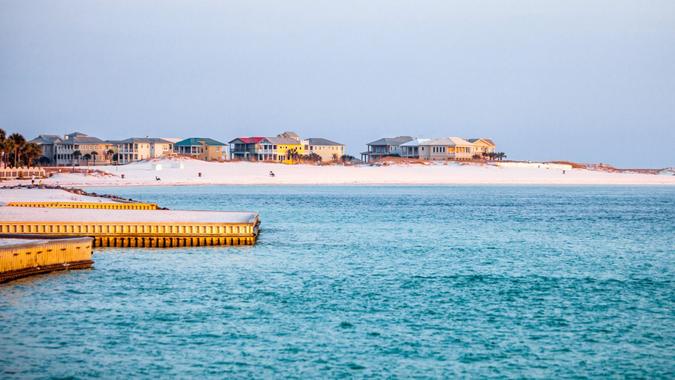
pixel 370 281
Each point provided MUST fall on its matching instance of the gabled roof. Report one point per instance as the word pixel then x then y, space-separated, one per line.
pixel 321 141
pixel 197 141
pixel 147 140
pixel 81 138
pixel 46 139
pixel 489 141
pixel 415 142
pixel 247 140
pixel 391 140
pixel 282 140
pixel 290 135
pixel 447 141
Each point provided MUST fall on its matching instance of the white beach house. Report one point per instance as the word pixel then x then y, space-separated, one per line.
pixel 411 149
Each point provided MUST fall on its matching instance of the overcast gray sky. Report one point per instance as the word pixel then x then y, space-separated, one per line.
pixel 590 81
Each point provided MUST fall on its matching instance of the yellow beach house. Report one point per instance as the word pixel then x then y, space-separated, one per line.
pixel 285 149
pixel 326 149
pixel 482 146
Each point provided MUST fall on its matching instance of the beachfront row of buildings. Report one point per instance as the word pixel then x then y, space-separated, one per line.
pixel 446 148
pixel 78 148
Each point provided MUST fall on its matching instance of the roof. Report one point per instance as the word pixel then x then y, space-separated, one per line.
pixel 415 142
pixel 248 140
pixel 489 141
pixel 391 140
pixel 289 134
pixel 321 141
pixel 282 140
pixel 149 140
pixel 46 139
pixel 81 138
pixel 448 141
pixel 196 141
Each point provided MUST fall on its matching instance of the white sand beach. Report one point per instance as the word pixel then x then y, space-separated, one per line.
pixel 186 172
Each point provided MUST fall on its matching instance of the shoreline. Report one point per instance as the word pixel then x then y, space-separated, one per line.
pixel 188 172
pixel 487 184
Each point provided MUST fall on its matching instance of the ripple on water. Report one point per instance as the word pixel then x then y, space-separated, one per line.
pixel 364 282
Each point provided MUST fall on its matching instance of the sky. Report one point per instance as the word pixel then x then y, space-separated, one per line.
pixel 587 81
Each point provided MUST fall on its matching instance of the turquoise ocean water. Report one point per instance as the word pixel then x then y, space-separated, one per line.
pixel 398 282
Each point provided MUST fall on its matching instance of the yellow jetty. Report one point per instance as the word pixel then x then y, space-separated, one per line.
pixel 133 227
pixel 25 257
pixel 98 205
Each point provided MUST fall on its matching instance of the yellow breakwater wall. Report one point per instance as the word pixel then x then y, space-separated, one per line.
pixel 95 205
pixel 141 234
pixel 20 258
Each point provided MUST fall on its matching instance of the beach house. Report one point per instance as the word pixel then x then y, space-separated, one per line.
pixel 482 146
pixel 326 149
pixel 448 148
pixel 140 148
pixel 387 146
pixel 76 148
pixel 202 148
pixel 47 144
pixel 246 148
pixel 277 149
pixel 411 149
pixel 285 149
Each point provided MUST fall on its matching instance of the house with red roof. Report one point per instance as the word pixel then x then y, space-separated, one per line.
pixel 246 148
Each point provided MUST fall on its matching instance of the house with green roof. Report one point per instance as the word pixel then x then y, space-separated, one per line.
pixel 202 148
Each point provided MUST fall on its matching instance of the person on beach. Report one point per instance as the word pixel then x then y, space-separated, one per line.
pixel 272 174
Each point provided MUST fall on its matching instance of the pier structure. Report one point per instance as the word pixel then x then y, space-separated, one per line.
pixel 25 257
pixel 94 205
pixel 133 228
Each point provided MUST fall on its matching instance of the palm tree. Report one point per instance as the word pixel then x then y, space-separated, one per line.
pixel 86 158
pixel 6 153
pixel 489 155
pixel 18 141
pixel 2 146
pixel 76 156
pixel 346 158
pixel 93 156
pixel 30 153
pixel 109 153
pixel 292 155
pixel 43 161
